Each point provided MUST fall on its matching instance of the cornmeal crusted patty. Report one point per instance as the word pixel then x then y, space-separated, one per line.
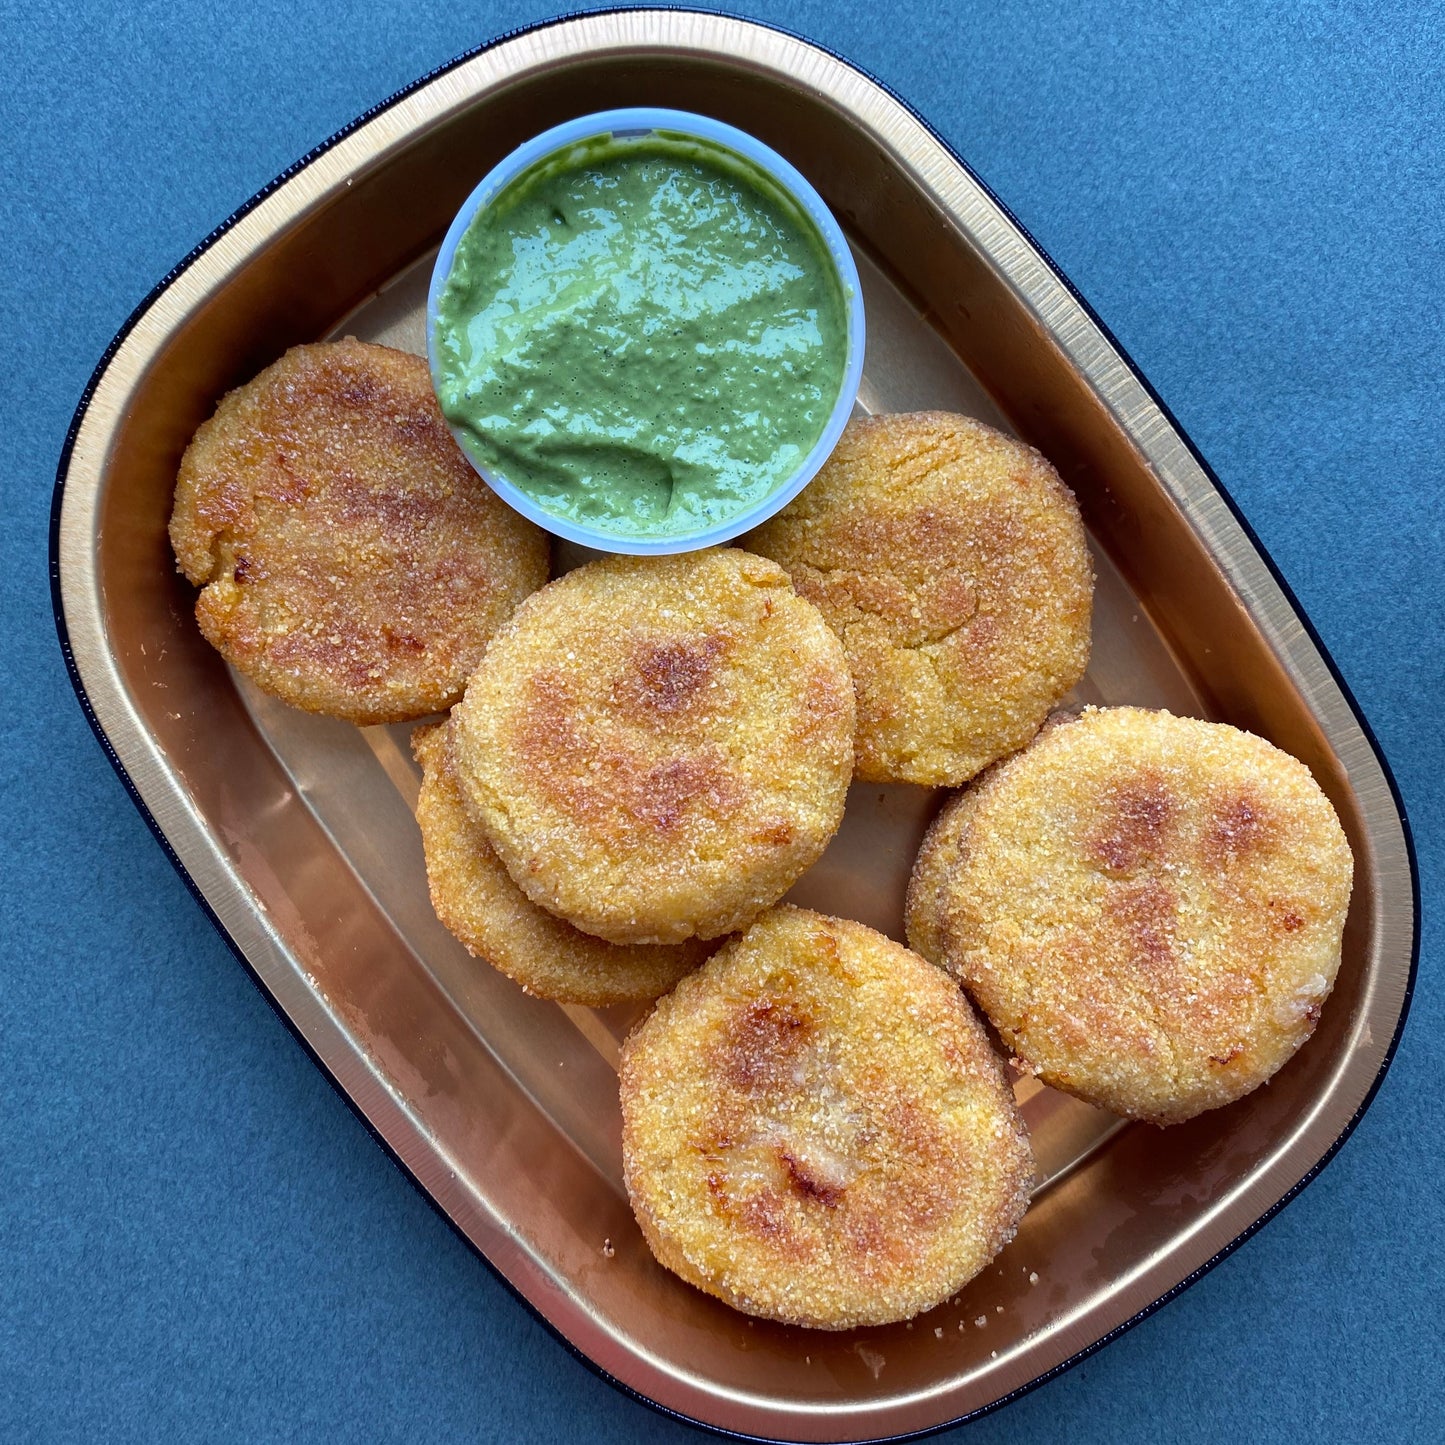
pixel 351 561
pixel 476 899
pixel 951 561
pixel 658 746
pixel 1149 908
pixel 815 1128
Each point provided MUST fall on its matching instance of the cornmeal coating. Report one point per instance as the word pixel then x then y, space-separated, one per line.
pixel 474 896
pixel 658 746
pixel 951 560
pixel 816 1129
pixel 351 561
pixel 1149 908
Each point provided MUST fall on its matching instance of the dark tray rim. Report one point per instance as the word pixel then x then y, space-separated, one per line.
pixel 164 284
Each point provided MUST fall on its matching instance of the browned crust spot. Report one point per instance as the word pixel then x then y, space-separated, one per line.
pixel 667 677
pixel 1138 814
pixel 622 792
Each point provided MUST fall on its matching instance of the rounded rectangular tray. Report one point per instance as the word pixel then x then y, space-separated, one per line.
pixel 297 835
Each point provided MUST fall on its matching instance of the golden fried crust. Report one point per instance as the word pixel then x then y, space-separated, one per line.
pixel 475 898
pixel 1148 908
pixel 815 1128
pixel 933 871
pixel 351 561
pixel 658 746
pixel 951 561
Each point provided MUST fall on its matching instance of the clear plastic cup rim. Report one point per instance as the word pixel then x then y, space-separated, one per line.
pixel 637 121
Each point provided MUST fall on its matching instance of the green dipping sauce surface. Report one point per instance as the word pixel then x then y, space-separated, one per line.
pixel 644 335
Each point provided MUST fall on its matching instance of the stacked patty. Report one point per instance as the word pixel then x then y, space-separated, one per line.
pixel 658 747
pixel 474 896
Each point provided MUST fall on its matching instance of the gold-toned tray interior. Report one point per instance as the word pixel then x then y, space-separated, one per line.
pixel 299 830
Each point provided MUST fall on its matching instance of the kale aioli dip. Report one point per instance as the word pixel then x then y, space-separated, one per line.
pixel 645 335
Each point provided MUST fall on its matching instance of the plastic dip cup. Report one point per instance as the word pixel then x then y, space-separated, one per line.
pixel 626 124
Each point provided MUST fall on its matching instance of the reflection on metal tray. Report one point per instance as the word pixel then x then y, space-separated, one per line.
pixel 298 832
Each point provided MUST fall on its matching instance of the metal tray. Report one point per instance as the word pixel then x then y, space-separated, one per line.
pixel 296 832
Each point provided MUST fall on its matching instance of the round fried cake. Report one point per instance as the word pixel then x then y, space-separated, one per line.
pixel 475 898
pixel 951 561
pixel 351 561
pixel 658 746
pixel 816 1129
pixel 1148 908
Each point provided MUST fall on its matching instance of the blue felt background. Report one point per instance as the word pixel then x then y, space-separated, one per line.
pixel 197 1240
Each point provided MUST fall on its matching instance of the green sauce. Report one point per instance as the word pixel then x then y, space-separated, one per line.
pixel 644 335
